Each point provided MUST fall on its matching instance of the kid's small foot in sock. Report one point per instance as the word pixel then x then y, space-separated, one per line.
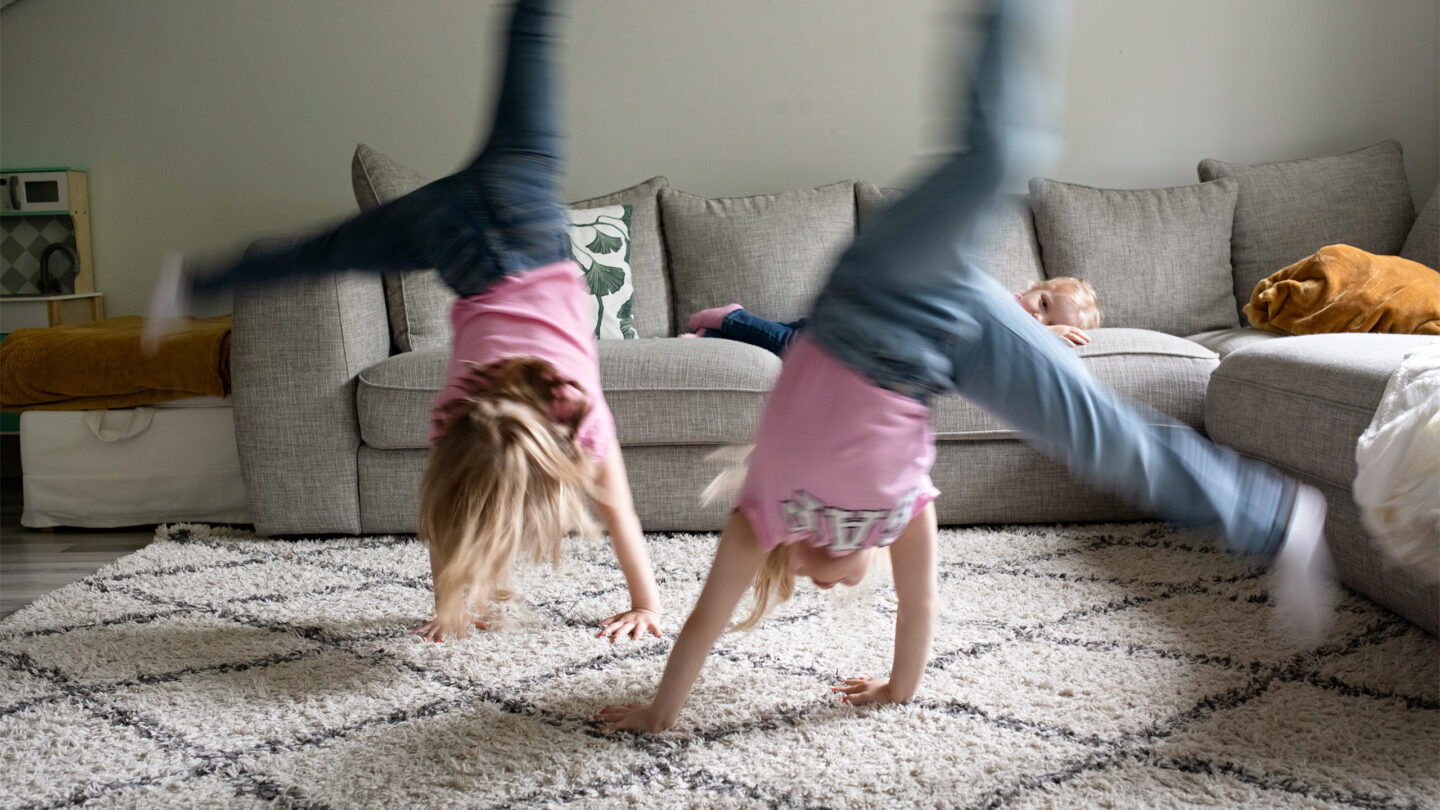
pixel 169 302
pixel 711 318
pixel 1305 591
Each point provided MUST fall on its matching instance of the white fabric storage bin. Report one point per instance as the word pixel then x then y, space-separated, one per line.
pixel 174 461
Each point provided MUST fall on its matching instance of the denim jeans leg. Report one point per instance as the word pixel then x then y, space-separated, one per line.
pixel 767 334
pixel 946 325
pixel 1010 134
pixel 389 237
pixel 1021 373
pixel 527 117
pixel 511 191
pixel 891 294
pixel 499 215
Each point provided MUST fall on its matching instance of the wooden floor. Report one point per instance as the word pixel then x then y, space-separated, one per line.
pixel 34 562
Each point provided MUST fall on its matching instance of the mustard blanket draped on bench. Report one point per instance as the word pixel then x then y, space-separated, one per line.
pixel 90 366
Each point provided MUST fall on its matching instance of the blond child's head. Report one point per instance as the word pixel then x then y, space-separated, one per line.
pixel 775 581
pixel 1063 301
pixel 505 478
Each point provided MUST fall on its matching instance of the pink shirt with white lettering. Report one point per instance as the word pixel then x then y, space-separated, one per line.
pixel 540 313
pixel 838 461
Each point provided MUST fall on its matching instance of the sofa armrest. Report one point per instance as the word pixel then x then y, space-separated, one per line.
pixel 296 349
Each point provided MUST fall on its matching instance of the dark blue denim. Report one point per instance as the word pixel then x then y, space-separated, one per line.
pixel 909 306
pixel 772 336
pixel 500 215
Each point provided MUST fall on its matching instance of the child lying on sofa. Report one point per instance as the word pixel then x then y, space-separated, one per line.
pixel 1066 306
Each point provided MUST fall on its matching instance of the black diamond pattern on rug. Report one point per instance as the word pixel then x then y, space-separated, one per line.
pixel 1105 665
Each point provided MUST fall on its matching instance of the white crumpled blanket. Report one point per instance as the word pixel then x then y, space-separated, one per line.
pixel 1397 484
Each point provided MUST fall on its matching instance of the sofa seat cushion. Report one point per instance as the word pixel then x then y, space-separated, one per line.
pixel 1225 341
pixel 1302 402
pixel 1163 372
pixel 674 391
pixel 394 398
pixel 677 391
pixel 662 391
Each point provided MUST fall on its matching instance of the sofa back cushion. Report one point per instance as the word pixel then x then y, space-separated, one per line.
pixel 1423 243
pixel 1010 252
pixel 1289 210
pixel 769 253
pixel 418 302
pixel 871 201
pixel 1158 258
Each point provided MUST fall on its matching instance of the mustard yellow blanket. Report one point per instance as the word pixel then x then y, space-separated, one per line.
pixel 1344 289
pixel 88 366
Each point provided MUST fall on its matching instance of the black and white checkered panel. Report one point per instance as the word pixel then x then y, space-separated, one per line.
pixel 23 240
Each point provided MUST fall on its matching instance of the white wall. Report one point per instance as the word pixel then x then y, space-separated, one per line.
pixel 207 122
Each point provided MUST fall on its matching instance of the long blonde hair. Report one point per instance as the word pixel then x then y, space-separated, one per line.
pixel 773 585
pixel 505 477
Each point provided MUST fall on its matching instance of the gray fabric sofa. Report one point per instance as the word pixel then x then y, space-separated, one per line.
pixel 334 377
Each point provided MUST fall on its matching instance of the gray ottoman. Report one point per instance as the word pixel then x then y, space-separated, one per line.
pixel 1300 403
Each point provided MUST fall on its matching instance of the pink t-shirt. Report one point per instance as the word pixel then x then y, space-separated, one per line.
pixel 539 313
pixel 838 462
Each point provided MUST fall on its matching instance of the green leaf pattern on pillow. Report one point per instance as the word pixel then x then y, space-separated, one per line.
pixel 600 244
pixel 627 321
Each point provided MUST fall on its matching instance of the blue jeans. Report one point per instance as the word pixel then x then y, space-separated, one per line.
pixel 773 336
pixel 499 216
pixel 908 306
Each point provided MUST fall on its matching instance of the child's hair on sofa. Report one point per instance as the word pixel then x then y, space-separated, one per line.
pixel 506 477
pixel 1079 291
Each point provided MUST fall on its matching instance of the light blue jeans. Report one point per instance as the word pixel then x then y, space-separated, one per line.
pixel 908 306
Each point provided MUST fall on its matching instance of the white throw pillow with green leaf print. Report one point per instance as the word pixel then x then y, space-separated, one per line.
pixel 600 243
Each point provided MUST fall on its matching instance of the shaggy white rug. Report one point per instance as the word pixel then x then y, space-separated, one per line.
pixel 1083 666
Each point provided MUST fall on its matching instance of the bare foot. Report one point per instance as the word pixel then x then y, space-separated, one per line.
pixel 431 631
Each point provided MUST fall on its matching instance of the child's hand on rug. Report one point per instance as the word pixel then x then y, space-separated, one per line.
pixel 635 623
pixel 862 691
pixel 634 717
pixel 431 630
